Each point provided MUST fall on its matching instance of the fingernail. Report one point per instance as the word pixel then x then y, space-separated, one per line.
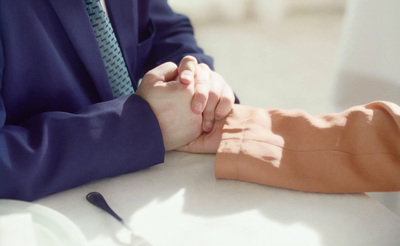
pixel 207 126
pixel 186 75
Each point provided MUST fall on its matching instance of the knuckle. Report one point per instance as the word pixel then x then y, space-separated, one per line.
pixel 213 95
pixel 201 83
pixel 188 63
pixel 149 76
pixel 221 112
pixel 187 73
pixel 208 113
pixel 201 97
pixel 204 67
pixel 219 78
pixel 223 108
pixel 190 58
pixel 170 63
pixel 202 88
pixel 227 100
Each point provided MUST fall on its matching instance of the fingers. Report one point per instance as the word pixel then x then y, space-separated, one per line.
pixel 220 101
pixel 206 142
pixel 162 73
pixel 225 104
pixel 214 95
pixel 202 89
pixel 165 72
pixel 206 91
pixel 187 70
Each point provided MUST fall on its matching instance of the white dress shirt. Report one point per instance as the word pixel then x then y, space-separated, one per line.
pixel 103 4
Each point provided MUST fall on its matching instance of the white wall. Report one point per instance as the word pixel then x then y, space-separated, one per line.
pixel 203 10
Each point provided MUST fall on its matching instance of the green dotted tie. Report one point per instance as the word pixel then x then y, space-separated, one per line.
pixel 114 62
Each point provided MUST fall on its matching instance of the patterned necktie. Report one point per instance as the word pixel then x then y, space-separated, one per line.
pixel 117 72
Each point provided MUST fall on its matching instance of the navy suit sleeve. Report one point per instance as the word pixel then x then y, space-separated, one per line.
pixel 56 132
pixel 174 36
pixel 55 151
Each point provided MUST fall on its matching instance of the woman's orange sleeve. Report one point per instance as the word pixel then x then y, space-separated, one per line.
pixel 357 150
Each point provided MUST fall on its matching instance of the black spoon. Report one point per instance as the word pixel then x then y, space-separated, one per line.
pixel 98 200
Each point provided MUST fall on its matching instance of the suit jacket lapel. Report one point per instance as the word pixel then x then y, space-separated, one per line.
pixel 75 20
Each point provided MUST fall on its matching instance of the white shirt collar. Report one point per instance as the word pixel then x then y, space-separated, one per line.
pixel 103 4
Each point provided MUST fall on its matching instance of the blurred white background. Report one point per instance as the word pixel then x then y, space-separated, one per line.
pixel 318 55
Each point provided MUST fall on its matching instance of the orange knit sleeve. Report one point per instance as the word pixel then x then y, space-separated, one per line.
pixel 357 150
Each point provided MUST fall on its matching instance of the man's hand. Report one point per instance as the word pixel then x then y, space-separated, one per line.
pixel 208 142
pixel 170 102
pixel 213 97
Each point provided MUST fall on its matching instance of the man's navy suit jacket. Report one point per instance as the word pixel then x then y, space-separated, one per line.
pixel 60 125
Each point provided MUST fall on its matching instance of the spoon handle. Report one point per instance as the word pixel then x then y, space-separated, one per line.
pixel 98 200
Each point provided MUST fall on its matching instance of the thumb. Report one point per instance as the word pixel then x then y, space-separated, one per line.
pixel 187 70
pixel 163 73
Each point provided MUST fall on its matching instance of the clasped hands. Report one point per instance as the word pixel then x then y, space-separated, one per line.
pixel 189 102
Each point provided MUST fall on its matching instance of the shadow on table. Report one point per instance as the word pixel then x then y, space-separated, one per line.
pixel 334 218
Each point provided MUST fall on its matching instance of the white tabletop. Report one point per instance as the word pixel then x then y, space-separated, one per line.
pixel 181 203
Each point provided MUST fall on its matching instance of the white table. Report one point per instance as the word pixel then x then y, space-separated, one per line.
pixel 181 203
